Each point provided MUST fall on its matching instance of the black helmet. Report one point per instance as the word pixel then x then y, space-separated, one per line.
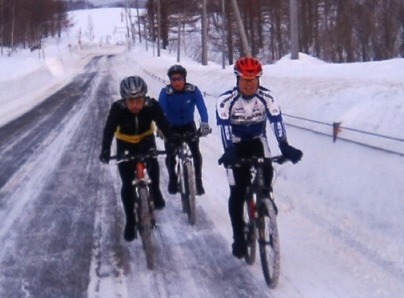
pixel 133 87
pixel 177 69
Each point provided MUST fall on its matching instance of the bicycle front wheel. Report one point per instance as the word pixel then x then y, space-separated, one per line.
pixel 189 180
pixel 250 231
pixel 146 225
pixel 268 239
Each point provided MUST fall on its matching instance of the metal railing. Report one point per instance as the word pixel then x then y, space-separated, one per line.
pixel 336 131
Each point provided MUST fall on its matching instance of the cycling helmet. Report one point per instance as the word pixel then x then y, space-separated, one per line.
pixel 133 87
pixel 177 69
pixel 248 68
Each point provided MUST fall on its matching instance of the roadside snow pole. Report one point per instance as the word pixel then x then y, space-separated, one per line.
pixel 336 129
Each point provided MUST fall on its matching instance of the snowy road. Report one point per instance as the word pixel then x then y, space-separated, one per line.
pixel 62 220
pixel 61 216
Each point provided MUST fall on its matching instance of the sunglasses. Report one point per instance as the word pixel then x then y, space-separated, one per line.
pixel 174 79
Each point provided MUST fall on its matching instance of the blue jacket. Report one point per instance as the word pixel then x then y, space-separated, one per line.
pixel 179 107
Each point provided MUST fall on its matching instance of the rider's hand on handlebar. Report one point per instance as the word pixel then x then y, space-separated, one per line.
pixel 291 153
pixel 228 158
pixel 104 156
pixel 204 129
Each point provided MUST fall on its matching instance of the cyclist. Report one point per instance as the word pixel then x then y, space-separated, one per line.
pixel 178 100
pixel 130 120
pixel 241 116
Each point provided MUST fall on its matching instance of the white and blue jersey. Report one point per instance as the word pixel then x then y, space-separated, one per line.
pixel 241 119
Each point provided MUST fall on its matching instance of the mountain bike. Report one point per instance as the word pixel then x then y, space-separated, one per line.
pixel 143 198
pixel 260 214
pixel 186 174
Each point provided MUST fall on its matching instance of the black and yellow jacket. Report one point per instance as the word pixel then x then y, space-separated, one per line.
pixel 129 129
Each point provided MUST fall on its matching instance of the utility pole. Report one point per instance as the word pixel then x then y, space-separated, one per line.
pixel 294 30
pixel 2 27
pixel 179 38
pixel 223 35
pixel 127 13
pixel 243 35
pixel 138 21
pixel 158 27
pixel 204 34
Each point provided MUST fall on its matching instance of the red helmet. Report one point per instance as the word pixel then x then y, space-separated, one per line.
pixel 248 68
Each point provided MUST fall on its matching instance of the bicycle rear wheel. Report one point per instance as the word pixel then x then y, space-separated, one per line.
pixel 145 224
pixel 189 180
pixel 268 239
pixel 250 231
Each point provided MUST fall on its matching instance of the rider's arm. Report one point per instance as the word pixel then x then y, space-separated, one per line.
pixel 223 119
pixel 200 105
pixel 163 99
pixel 111 125
pixel 160 119
pixel 274 115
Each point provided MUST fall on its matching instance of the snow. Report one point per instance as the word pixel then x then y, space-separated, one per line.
pixel 341 209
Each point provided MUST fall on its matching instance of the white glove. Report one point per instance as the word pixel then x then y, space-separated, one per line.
pixel 204 129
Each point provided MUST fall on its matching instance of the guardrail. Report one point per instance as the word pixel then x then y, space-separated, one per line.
pixel 336 130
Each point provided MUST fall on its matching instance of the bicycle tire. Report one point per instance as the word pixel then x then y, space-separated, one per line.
pixel 182 188
pixel 250 231
pixel 189 179
pixel 269 243
pixel 146 225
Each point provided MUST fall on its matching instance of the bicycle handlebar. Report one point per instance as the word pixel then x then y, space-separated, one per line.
pixel 141 156
pixel 256 160
pixel 188 135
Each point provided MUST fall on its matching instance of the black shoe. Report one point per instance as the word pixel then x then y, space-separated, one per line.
pixel 199 188
pixel 172 186
pixel 130 232
pixel 159 202
pixel 239 249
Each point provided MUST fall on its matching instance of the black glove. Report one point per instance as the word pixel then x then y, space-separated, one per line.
pixel 204 129
pixel 228 158
pixel 104 156
pixel 291 153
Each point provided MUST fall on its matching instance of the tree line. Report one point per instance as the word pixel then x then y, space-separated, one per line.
pixel 332 30
pixel 24 22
